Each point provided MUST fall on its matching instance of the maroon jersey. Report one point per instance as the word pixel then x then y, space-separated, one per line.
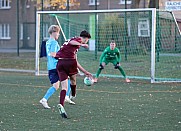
pixel 67 50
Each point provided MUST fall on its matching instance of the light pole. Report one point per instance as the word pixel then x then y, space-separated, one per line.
pixel 68 29
pixel 17 12
pixel 96 31
pixel 41 24
pixel 126 33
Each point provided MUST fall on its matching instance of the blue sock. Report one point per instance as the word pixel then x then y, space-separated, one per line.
pixel 49 92
pixel 69 89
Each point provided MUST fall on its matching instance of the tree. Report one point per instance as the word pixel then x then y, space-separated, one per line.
pixel 135 4
pixel 154 4
pixel 134 39
pixel 57 4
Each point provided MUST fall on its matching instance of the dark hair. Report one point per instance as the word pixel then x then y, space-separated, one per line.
pixel 112 41
pixel 84 34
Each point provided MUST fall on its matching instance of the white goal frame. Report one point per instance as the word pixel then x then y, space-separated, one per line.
pixel 153 36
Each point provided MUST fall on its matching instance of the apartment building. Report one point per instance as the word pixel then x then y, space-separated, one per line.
pixel 19 16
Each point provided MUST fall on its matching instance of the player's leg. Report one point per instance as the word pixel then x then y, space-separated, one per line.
pixel 54 79
pixel 117 66
pixel 73 86
pixel 51 90
pixel 48 94
pixel 64 85
pixel 65 68
pixel 101 67
pixel 69 89
pixel 67 97
pixel 61 65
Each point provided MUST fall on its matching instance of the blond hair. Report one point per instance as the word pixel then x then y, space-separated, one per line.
pixel 53 28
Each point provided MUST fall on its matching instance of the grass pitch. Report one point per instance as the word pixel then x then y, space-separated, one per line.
pixel 109 105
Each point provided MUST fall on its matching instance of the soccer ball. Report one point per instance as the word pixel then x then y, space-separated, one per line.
pixel 88 81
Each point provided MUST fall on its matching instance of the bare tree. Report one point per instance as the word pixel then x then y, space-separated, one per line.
pixel 134 39
pixel 135 4
pixel 57 4
pixel 154 4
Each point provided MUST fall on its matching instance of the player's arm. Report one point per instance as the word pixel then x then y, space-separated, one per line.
pixel 83 70
pixel 103 55
pixel 51 51
pixel 73 42
pixel 118 55
pixel 118 58
pixel 53 54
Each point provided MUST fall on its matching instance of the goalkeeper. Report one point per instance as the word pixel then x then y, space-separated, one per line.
pixel 111 55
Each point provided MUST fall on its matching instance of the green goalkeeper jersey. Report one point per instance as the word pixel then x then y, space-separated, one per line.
pixel 109 54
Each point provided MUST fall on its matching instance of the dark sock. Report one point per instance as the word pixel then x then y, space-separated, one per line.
pixel 73 89
pixel 62 97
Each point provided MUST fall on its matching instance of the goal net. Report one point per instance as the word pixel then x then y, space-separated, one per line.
pixel 149 41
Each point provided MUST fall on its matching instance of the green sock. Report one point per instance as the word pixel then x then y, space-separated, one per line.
pixel 122 71
pixel 98 72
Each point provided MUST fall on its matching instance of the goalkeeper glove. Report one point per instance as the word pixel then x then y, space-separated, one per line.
pixel 101 66
pixel 117 65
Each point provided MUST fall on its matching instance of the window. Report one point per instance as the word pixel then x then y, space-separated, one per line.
pixel 5 4
pixel 92 2
pixel 4 31
pixel 143 28
pixel 45 31
pixel 123 2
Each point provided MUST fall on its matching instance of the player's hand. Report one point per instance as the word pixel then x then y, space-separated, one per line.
pixel 85 45
pixel 118 64
pixel 88 74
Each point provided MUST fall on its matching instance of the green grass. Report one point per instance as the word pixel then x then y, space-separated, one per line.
pixel 109 105
pixel 25 61
pixel 137 65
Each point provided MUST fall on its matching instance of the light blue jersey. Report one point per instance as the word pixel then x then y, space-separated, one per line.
pixel 51 46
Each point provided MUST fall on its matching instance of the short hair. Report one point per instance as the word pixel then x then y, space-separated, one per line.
pixel 53 28
pixel 85 34
pixel 112 41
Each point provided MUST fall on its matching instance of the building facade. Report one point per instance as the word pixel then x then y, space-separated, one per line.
pixel 19 16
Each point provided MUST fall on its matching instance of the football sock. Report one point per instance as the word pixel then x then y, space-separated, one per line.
pixel 62 97
pixel 73 89
pixel 122 71
pixel 69 89
pixel 98 72
pixel 49 92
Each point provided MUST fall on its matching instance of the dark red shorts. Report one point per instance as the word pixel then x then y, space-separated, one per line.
pixel 66 67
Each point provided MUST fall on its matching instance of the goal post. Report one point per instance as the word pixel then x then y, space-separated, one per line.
pixel 153 34
pixel 145 38
pixel 167 48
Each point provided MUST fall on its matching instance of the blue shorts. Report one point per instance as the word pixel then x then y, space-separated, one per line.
pixel 53 76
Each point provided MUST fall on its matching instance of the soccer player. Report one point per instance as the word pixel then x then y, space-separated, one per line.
pixel 67 66
pixel 110 55
pixel 52 48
